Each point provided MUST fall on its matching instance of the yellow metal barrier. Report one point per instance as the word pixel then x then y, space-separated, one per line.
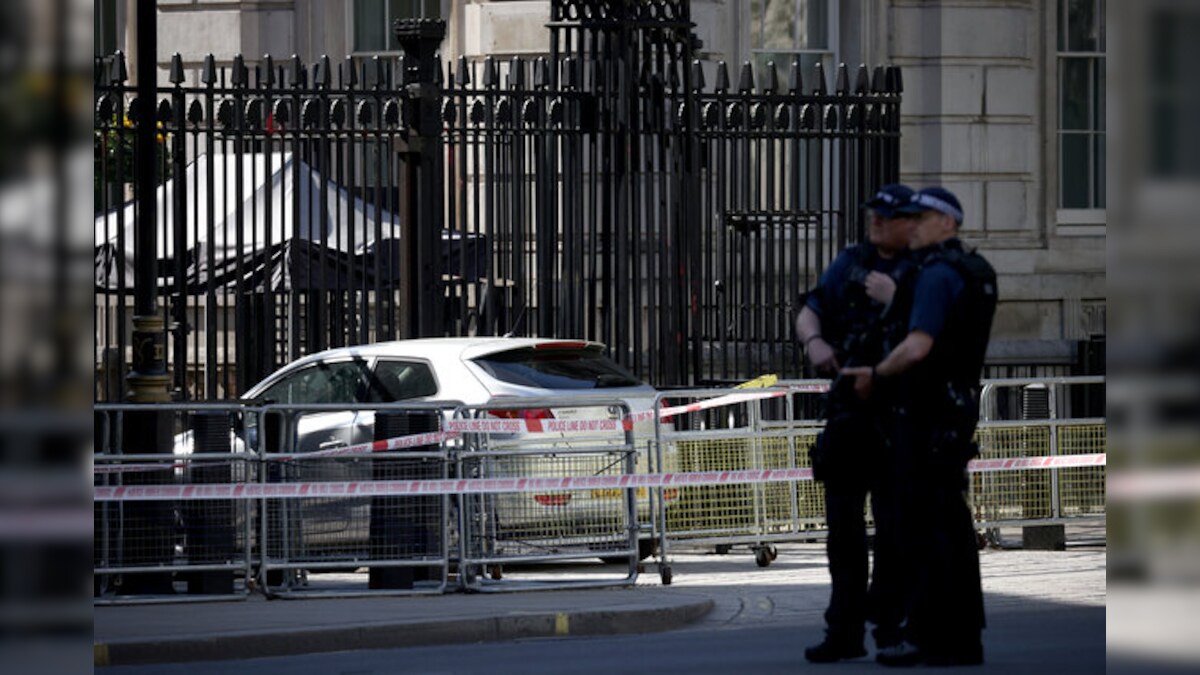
pixel 775 433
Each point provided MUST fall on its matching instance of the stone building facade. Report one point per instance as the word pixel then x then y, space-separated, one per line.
pixel 1003 103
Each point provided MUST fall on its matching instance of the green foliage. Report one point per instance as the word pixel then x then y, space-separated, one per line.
pixel 114 151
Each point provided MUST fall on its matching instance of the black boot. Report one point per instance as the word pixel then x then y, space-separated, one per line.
pixel 835 648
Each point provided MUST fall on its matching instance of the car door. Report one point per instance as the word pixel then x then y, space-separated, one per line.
pixel 326 522
pixel 326 382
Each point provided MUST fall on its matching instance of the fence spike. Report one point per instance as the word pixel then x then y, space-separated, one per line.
pixel 322 77
pixel 541 73
pixel 463 78
pixel 820 89
pixel 746 80
pixel 377 69
pixel 299 72
pixel 268 66
pixel 402 68
pixel 772 79
pixel 177 76
pixel 209 74
pixel 240 74
pixel 843 79
pixel 863 83
pixel 516 73
pixel 491 73
pixel 877 81
pixel 796 77
pixel 119 72
pixel 697 75
pixel 897 80
pixel 570 81
pixel 673 76
pixel 352 79
pixel 722 83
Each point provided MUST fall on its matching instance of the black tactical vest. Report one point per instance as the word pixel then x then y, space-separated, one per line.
pixel 851 322
pixel 958 352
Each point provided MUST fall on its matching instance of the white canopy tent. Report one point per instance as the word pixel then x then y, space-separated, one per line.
pixel 296 229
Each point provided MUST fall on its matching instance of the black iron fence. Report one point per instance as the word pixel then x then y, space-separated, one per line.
pixel 616 189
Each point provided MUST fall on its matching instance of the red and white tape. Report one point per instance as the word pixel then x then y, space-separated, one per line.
pixel 1020 463
pixel 528 484
pixel 456 427
pixel 719 401
pixel 397 443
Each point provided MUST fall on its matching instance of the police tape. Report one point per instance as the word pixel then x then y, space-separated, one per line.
pixel 456 427
pixel 1023 463
pixel 452 486
pixel 719 401
pixel 397 443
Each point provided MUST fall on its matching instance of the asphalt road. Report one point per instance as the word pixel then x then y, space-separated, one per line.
pixel 1046 613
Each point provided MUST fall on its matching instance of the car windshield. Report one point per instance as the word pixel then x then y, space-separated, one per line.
pixel 557 368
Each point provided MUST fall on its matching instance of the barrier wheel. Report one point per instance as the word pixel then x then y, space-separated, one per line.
pixel 664 573
pixel 765 555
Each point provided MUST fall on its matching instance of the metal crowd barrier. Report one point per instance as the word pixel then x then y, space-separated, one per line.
pixel 506 535
pixel 341 450
pixel 1047 468
pixel 166 549
pixel 737 430
pixel 431 497
pixel 1026 418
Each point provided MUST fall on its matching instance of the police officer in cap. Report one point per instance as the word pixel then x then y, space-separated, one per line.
pixel 939 363
pixel 848 306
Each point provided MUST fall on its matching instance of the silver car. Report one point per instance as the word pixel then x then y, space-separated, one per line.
pixel 475 372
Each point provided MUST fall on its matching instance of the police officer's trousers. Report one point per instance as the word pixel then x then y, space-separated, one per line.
pixel 853 600
pixel 946 609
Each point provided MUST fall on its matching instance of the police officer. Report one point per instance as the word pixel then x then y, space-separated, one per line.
pixel 939 362
pixel 836 325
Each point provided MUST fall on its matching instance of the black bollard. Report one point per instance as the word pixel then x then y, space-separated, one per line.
pixel 209 525
pixel 148 527
pixel 404 527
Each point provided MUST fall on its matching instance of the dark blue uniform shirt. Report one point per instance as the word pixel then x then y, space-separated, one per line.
pixel 938 287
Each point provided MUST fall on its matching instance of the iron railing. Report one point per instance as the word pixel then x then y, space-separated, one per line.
pixel 617 189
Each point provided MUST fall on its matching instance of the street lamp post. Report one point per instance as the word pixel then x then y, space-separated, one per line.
pixel 147 431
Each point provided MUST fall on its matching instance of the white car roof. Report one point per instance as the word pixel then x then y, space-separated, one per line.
pixel 462 348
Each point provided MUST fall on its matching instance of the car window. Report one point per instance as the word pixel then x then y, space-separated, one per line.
pixel 400 380
pixel 339 382
pixel 557 368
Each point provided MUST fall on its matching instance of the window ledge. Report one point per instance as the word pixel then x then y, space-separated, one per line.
pixel 1081 222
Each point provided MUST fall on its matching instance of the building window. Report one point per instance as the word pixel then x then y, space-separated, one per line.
pixel 105 27
pixel 784 30
pixel 373 21
pixel 1081 116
